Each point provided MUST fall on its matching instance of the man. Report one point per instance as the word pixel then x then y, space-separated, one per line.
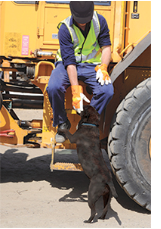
pixel 85 53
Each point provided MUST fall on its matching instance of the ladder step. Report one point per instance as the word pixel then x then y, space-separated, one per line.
pixel 66 166
pixel 70 111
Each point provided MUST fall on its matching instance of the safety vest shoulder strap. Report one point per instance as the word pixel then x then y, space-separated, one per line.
pixel 96 24
pixel 71 30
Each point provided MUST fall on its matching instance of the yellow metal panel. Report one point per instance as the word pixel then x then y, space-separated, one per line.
pixel 136 29
pixel 7 123
pixel 119 24
pixel 54 14
pixel 12 45
pixel 6 73
pixel 17 20
pixel 48 131
pixel 109 13
pixel 39 23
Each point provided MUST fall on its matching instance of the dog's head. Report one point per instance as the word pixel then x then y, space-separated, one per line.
pixel 89 115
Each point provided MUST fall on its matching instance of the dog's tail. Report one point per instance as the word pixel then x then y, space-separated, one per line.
pixel 113 190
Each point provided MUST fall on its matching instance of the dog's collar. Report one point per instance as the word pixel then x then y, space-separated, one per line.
pixel 89 124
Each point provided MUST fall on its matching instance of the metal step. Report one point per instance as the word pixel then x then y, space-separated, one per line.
pixel 66 166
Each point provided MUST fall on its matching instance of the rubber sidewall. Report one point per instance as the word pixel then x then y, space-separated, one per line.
pixel 128 144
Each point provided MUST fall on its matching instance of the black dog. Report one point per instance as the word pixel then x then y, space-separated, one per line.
pixel 91 159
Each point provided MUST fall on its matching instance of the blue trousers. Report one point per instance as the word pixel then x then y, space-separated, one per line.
pixel 59 82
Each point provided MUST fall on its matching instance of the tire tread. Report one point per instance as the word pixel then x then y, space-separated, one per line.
pixel 117 136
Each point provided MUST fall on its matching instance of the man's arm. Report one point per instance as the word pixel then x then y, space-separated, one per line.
pixel 105 59
pixel 106 55
pixel 69 61
pixel 67 54
pixel 102 75
pixel 72 74
pixel 104 41
pixel 66 46
pixel 77 90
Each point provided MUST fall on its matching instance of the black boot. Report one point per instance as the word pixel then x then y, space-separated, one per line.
pixel 60 137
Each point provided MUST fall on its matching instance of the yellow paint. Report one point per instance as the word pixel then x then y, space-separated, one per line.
pixel 66 166
pixel 12 43
pixel 43 68
pixel 138 28
pixel 39 22
pixel 118 25
pixel 42 74
pixel 6 72
pixel 7 123
pixel 125 49
pixel 41 25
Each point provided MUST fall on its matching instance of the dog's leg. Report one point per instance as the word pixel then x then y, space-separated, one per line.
pixel 72 137
pixel 113 190
pixel 93 196
pixel 105 200
pixel 93 212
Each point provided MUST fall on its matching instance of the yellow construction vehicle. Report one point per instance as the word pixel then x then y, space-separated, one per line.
pixel 28 46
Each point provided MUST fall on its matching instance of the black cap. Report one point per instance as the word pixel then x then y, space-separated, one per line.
pixel 82 11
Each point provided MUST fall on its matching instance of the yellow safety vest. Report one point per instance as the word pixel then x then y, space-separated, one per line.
pixel 85 50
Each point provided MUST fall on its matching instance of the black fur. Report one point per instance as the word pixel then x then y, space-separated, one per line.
pixel 92 161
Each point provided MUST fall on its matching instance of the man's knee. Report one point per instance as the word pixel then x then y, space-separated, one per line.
pixel 52 88
pixel 54 84
pixel 108 91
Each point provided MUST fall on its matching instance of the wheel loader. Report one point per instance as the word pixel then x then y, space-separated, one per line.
pixel 28 47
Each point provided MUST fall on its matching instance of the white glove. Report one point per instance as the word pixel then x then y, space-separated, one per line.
pixel 102 75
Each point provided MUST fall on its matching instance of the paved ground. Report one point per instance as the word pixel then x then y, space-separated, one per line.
pixel 32 196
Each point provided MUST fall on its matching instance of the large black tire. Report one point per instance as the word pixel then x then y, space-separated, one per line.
pixel 129 144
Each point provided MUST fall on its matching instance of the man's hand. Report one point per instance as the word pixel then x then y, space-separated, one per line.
pixel 102 75
pixel 78 97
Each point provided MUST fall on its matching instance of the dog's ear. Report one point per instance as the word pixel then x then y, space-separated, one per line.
pixel 89 114
pixel 93 115
pixel 85 114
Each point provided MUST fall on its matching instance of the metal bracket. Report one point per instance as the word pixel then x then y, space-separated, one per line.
pixel 53 144
pixel 7 133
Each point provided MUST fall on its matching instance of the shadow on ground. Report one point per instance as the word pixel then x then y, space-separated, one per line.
pixel 15 167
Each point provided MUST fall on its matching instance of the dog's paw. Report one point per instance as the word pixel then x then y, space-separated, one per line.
pixel 63 130
pixel 102 217
pixel 87 221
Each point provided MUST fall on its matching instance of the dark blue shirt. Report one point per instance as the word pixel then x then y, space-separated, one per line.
pixel 66 45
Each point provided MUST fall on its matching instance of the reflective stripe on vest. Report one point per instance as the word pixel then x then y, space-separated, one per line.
pixel 89 47
pixel 71 30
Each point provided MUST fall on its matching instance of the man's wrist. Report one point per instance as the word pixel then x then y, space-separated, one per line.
pixel 104 66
